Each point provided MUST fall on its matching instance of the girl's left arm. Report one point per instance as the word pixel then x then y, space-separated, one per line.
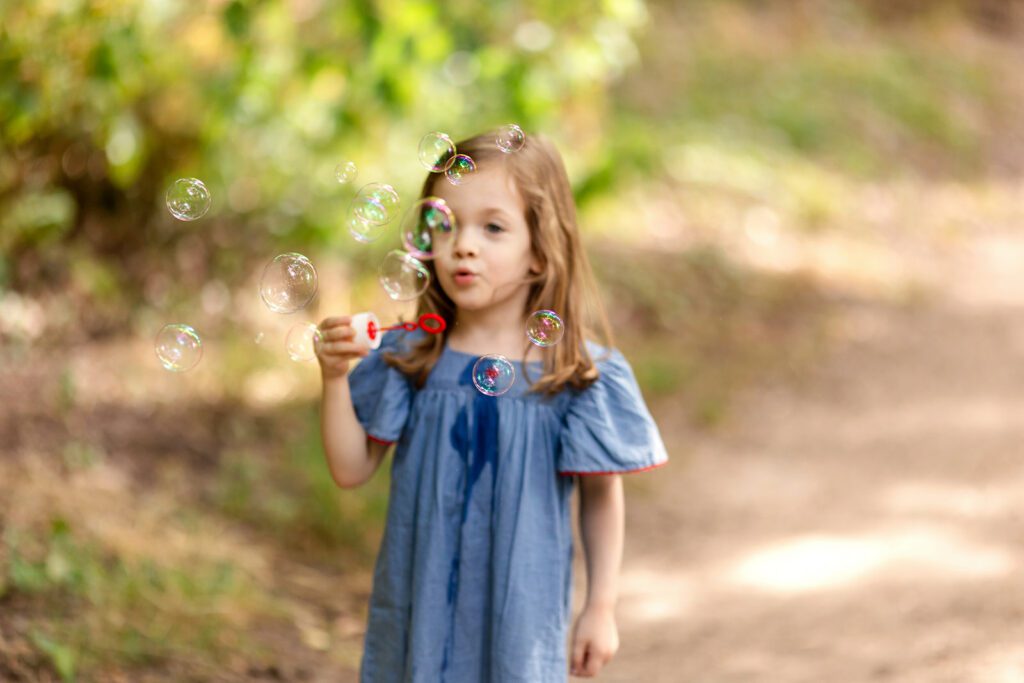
pixel 602 513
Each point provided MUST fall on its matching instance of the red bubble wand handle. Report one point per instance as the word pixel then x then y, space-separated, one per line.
pixel 431 323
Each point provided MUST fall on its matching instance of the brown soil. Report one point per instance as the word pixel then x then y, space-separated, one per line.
pixel 862 525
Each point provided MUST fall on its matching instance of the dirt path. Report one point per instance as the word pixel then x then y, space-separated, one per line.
pixel 862 526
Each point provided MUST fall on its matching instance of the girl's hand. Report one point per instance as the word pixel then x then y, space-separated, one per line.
pixel 337 348
pixel 595 641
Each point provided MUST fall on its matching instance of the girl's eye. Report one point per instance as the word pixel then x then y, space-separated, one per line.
pixel 494 228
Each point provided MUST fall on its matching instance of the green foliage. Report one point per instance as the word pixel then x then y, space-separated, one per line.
pixel 262 99
pixel 36 218
pixel 828 84
pixel 63 657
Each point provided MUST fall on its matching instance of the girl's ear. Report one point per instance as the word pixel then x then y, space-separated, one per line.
pixel 535 267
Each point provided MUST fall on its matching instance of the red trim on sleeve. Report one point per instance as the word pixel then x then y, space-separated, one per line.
pixel 587 474
pixel 371 437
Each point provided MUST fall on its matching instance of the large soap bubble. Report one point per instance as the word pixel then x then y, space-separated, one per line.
pixel 363 230
pixel 422 221
pixel 375 204
pixel 493 375
pixel 178 347
pixel 403 276
pixel 510 138
pixel 188 199
pixel 346 172
pixel 437 151
pixel 303 342
pixel 462 167
pixel 544 328
pixel 289 283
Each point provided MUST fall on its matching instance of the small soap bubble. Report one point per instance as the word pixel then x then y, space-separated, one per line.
pixel 258 338
pixel 545 328
pixel 510 138
pixel 188 199
pixel 403 276
pixel 178 347
pixel 303 342
pixel 289 283
pixel 345 172
pixel 423 219
pixel 493 375
pixel 437 152
pixel 375 204
pixel 462 167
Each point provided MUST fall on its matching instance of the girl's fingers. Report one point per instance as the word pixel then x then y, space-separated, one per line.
pixel 344 348
pixel 334 321
pixel 579 651
pixel 338 333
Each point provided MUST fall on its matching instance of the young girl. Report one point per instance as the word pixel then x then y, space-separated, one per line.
pixel 473 583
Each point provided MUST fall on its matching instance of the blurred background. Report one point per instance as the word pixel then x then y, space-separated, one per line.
pixel 806 219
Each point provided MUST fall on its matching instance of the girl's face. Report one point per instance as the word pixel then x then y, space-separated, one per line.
pixel 485 263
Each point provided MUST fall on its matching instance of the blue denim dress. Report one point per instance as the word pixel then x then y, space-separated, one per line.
pixel 473 583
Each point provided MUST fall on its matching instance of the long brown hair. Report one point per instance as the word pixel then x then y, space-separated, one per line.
pixel 565 283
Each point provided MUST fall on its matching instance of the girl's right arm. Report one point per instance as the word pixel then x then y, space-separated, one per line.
pixel 351 457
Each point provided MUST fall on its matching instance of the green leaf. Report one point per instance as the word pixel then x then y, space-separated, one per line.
pixel 63 657
pixel 237 19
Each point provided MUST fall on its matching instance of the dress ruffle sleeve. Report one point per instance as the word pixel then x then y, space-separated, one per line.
pixel 381 395
pixel 608 428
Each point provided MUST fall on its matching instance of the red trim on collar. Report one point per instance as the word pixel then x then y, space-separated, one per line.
pixel 587 474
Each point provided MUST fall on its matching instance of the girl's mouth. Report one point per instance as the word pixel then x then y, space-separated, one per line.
pixel 464 276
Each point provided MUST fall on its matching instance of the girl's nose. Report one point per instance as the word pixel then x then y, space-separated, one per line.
pixel 465 244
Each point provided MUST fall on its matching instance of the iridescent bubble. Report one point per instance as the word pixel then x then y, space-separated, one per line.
pixel 303 341
pixel 376 204
pixel 510 138
pixel 545 328
pixel 437 151
pixel 402 276
pixel 346 172
pixel 461 168
pixel 178 347
pixel 493 375
pixel 288 283
pixel 424 218
pixel 188 199
pixel 362 230
pixel 258 338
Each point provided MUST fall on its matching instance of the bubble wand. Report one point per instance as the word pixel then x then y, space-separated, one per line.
pixel 369 331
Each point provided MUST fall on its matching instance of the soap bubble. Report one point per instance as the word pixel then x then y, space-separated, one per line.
pixel 178 347
pixel 346 172
pixel 362 230
pixel 437 151
pixel 188 199
pixel 511 138
pixel 493 375
pixel 462 166
pixel 421 221
pixel 288 283
pixel 402 276
pixel 376 204
pixel 544 328
pixel 303 341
